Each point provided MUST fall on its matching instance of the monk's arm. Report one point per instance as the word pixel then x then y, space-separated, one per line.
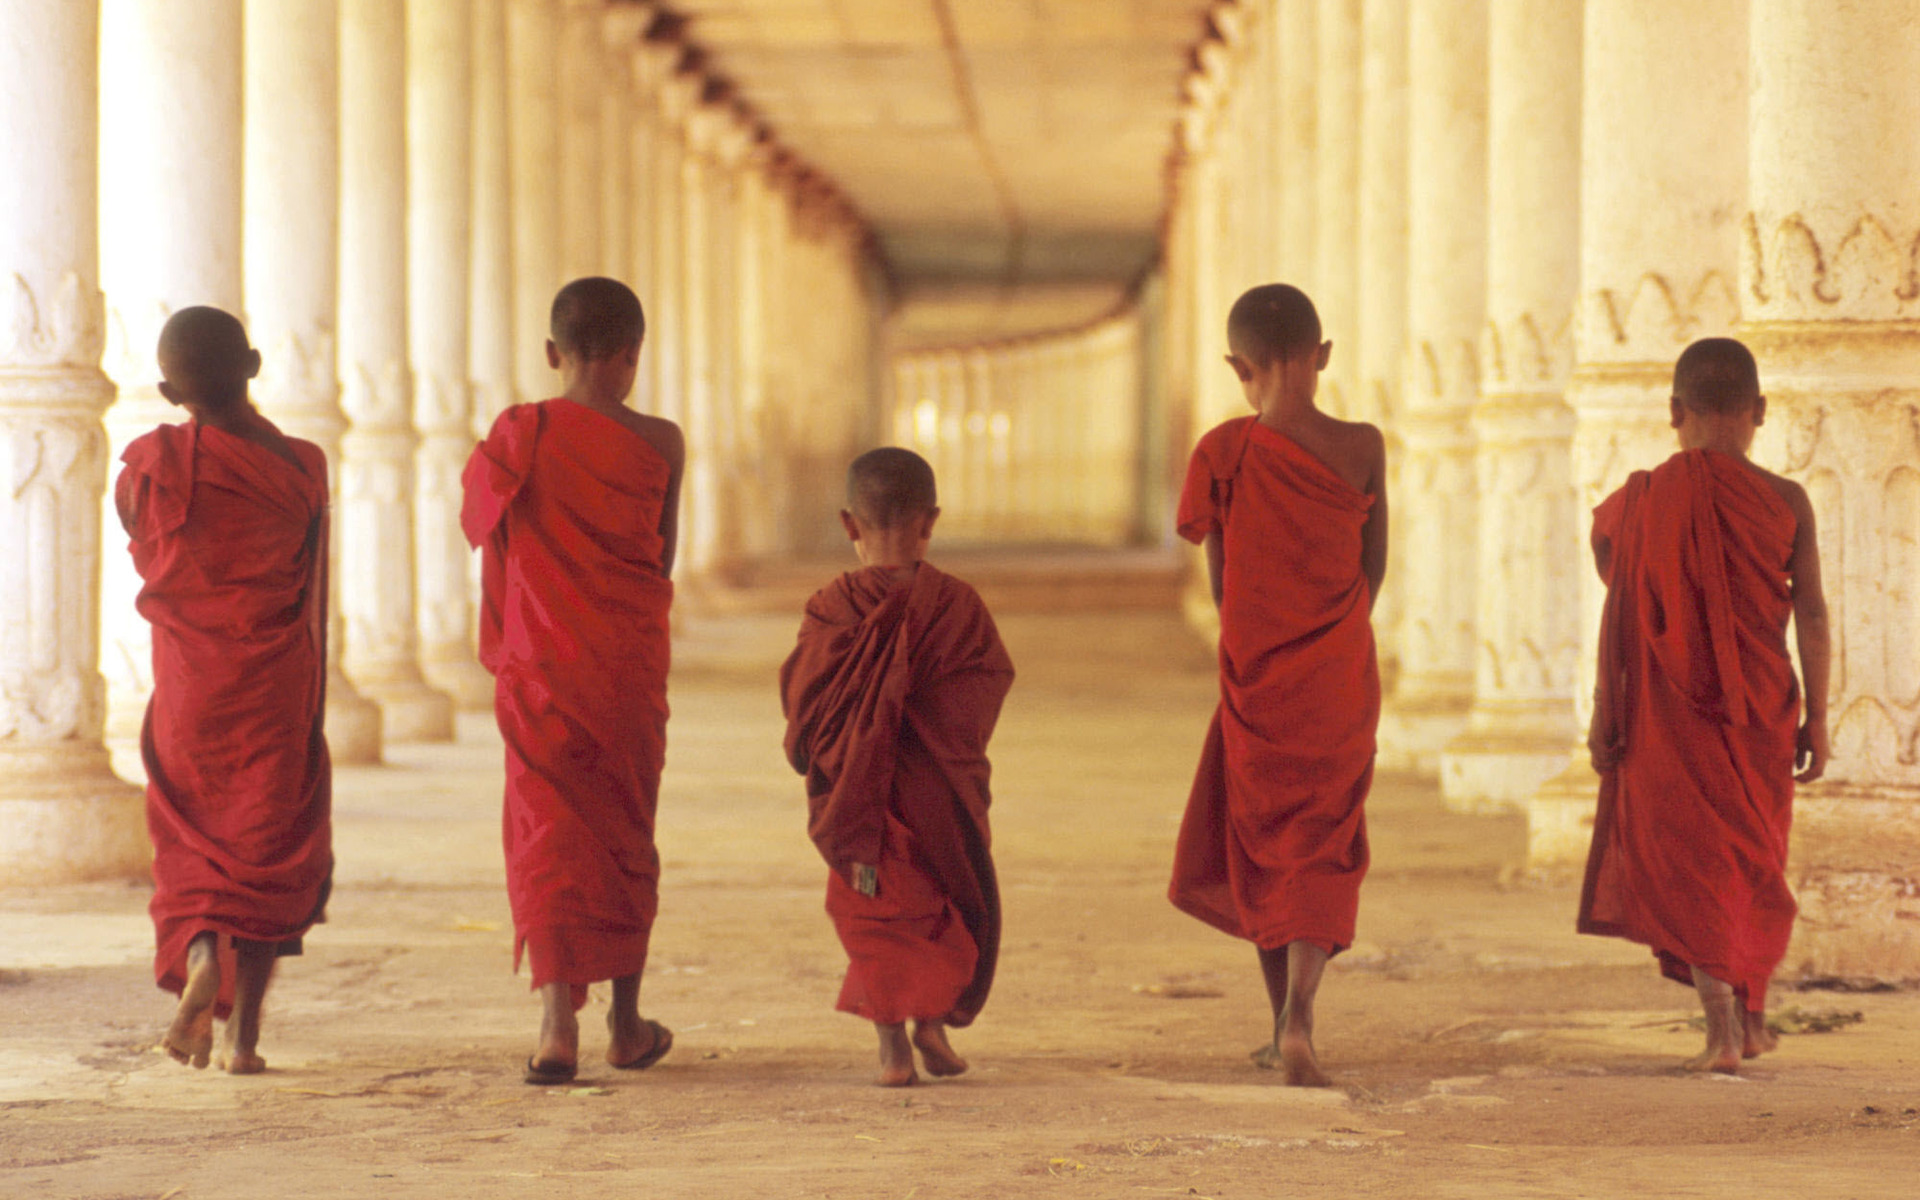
pixel 1373 535
pixel 1812 636
pixel 673 447
pixel 1216 563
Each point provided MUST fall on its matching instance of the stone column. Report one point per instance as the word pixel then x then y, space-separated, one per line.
pixel 1659 252
pixel 619 32
pixel 1336 277
pixel 169 211
pixel 1293 157
pixel 578 98
pixel 1527 594
pixel 1382 283
pixel 1831 307
pixel 439 232
pixel 490 326
pixel 290 238
pixel 1446 263
pixel 642 123
pixel 375 511
pixel 666 319
pixel 63 815
pixel 700 500
pixel 533 119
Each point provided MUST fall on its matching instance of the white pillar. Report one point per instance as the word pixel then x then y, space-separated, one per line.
pixel 375 507
pixel 1436 516
pixel 1293 156
pixel 63 815
pixel 439 232
pixel 490 326
pixel 700 503
pixel 1531 532
pixel 578 98
pixel 533 120
pixel 170 191
pixel 666 319
pixel 1382 283
pixel 1831 308
pixel 1659 253
pixel 290 241
pixel 1336 159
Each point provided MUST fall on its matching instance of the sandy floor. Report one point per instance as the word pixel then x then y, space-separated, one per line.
pixel 1481 1048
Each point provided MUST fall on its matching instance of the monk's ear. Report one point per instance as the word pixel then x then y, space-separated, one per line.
pixel 926 528
pixel 167 391
pixel 1677 411
pixel 1759 410
pixel 1324 356
pixel 631 358
pixel 253 364
pixel 1242 369
pixel 846 519
pixel 553 355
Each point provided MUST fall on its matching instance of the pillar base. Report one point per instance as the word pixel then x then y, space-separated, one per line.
pixel 1486 773
pixel 410 711
pixel 464 680
pixel 65 817
pixel 1560 816
pixel 353 723
pixel 1854 865
pixel 1413 732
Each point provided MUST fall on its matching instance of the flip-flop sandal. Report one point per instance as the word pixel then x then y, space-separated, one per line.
pixel 549 1074
pixel 662 1042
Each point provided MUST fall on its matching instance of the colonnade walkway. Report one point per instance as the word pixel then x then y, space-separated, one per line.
pixel 1479 1045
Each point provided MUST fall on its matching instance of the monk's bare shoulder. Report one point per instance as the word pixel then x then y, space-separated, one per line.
pixel 1789 490
pixel 663 435
pixel 1357 450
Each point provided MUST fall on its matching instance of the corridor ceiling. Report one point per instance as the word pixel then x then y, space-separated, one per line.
pixel 995 143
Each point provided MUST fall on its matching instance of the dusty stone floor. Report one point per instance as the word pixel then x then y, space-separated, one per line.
pixel 1481 1048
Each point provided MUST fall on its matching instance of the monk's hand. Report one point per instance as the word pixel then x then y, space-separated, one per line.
pixel 1603 745
pixel 866 879
pixel 1811 752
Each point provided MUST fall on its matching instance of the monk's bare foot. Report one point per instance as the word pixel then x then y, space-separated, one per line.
pixel 1759 1039
pixel 1718 1060
pixel 1298 1060
pixel 896 1057
pixel 1726 1026
pixel 236 1059
pixel 1267 1057
pixel 559 1050
pixel 189 1040
pixel 930 1038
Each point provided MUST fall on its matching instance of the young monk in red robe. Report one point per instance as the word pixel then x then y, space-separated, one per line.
pixel 228 520
pixel 1697 722
pixel 1291 506
pixel 574 503
pixel 890 697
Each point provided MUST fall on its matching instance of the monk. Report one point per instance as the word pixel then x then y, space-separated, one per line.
pixel 228 521
pixel 574 503
pixel 1697 726
pixel 890 698
pixel 1291 506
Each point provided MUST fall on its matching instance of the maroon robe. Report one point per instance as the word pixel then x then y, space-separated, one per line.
pixel 1689 847
pixel 890 697
pixel 230 541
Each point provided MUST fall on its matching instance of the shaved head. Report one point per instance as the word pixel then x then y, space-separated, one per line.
pixel 1273 321
pixel 888 487
pixel 596 318
pixel 1716 375
pixel 205 356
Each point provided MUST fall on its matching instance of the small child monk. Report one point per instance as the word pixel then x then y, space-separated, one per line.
pixel 574 503
pixel 890 698
pixel 1291 507
pixel 1697 718
pixel 228 521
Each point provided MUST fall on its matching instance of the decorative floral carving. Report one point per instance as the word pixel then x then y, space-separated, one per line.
pixel 64 327
pixel 1862 273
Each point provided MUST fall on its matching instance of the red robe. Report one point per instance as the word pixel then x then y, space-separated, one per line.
pixel 1689 847
pixel 230 540
pixel 565 505
pixel 1274 842
pixel 890 698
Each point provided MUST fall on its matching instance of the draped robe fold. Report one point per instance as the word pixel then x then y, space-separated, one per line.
pixel 565 506
pixel 1273 845
pixel 1690 837
pixel 891 695
pixel 230 541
